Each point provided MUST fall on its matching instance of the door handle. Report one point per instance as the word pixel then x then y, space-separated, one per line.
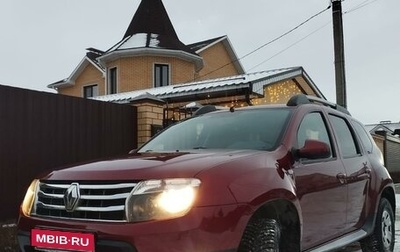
pixel 342 178
pixel 366 174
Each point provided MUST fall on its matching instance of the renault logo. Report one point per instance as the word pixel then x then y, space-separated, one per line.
pixel 71 197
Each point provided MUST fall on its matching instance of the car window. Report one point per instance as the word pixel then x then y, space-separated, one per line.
pixel 313 127
pixel 364 136
pixel 257 129
pixel 345 137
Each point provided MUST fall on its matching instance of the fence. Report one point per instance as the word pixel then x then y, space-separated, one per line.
pixel 392 156
pixel 40 131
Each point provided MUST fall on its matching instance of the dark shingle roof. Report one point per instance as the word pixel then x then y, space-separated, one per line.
pixel 151 19
pixel 93 54
pixel 198 45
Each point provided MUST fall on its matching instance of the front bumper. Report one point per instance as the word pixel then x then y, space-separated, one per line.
pixel 217 228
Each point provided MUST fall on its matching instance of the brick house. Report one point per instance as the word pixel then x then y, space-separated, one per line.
pixel 152 69
pixel 387 136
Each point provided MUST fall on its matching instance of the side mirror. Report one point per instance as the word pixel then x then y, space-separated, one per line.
pixel 314 149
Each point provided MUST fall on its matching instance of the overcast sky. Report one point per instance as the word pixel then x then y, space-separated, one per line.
pixel 42 41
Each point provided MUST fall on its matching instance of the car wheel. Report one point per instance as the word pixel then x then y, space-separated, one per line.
pixel 261 235
pixel 382 239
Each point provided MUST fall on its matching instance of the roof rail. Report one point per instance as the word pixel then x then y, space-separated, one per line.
pixel 207 109
pixel 307 99
pixel 204 110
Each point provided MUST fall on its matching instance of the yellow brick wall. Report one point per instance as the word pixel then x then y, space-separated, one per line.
pixel 214 58
pixel 148 114
pixel 136 73
pixel 89 76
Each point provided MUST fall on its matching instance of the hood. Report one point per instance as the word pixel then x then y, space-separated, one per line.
pixel 148 166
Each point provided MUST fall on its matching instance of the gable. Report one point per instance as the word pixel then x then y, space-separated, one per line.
pixel 70 81
pixel 219 57
pixel 219 60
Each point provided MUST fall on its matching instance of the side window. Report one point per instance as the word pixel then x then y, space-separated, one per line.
pixel 364 136
pixel 112 81
pixel 344 137
pixel 161 75
pixel 90 91
pixel 313 127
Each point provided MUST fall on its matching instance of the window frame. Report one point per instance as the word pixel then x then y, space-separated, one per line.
pixel 112 80
pixel 163 80
pixel 91 86
pixel 352 133
pixel 328 129
pixel 364 137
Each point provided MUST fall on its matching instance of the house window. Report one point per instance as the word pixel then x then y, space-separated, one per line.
pixel 112 81
pixel 161 75
pixel 90 91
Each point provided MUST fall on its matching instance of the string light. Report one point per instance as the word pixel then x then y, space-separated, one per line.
pixel 278 93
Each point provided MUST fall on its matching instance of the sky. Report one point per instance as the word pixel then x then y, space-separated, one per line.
pixel 42 41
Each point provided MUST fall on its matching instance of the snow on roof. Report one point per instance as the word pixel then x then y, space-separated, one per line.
pixel 251 81
pixel 202 44
pixel 137 41
pixel 383 126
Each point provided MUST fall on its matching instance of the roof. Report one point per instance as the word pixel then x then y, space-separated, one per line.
pixel 91 57
pixel 93 54
pixel 202 44
pixel 252 82
pixel 150 32
pixel 151 27
pixel 387 126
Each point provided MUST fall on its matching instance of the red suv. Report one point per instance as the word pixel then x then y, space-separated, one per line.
pixel 304 176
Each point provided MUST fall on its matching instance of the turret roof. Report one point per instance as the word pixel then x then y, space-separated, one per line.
pixel 151 28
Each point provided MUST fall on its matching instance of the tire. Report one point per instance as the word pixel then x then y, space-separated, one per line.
pixel 382 239
pixel 261 235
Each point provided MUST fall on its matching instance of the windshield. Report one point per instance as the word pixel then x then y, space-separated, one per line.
pixel 256 129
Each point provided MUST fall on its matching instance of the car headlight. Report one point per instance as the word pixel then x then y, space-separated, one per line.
pixel 29 198
pixel 161 199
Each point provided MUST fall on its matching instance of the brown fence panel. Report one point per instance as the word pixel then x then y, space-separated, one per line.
pixel 41 131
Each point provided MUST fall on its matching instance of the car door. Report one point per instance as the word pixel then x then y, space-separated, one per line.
pixel 358 170
pixel 320 189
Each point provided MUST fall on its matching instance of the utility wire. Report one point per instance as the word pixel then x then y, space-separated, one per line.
pixel 293 44
pixel 361 5
pixel 268 43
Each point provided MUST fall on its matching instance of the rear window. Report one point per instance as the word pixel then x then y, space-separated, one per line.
pixel 364 136
pixel 256 129
pixel 345 137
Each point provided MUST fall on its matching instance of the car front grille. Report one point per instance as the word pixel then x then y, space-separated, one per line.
pixel 97 202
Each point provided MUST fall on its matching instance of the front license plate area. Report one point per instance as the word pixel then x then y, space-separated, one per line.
pixel 50 240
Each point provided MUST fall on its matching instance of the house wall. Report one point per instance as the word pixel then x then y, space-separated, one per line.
pixel 390 148
pixel 89 76
pixel 136 73
pixel 216 57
